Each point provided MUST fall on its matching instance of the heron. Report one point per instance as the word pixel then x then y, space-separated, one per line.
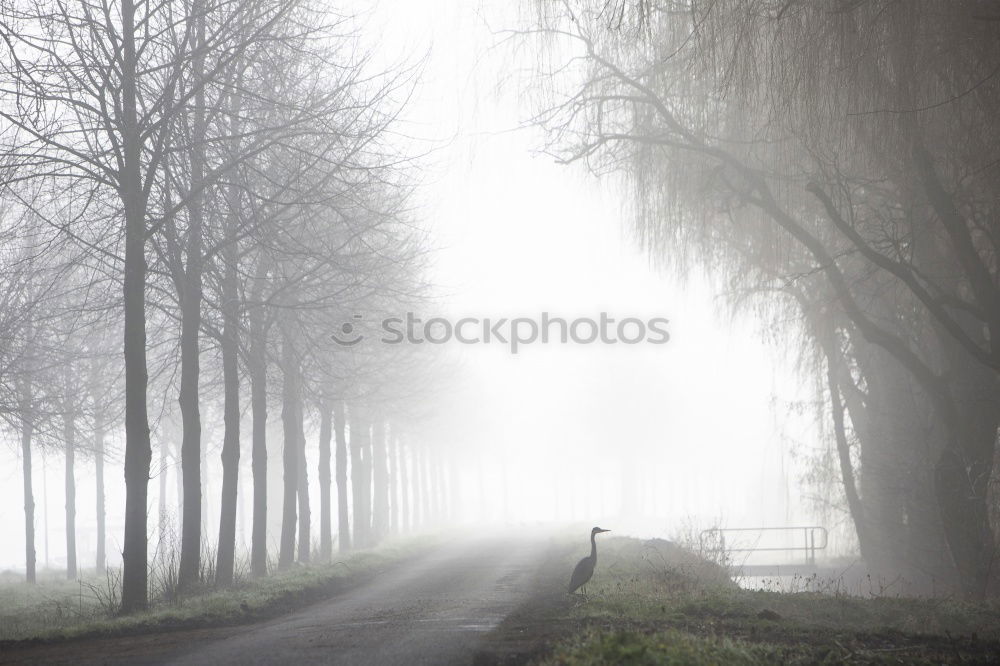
pixel 585 567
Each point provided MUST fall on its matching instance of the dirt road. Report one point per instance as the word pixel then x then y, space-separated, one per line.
pixel 433 610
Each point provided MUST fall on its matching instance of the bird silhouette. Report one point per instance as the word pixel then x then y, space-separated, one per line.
pixel 585 567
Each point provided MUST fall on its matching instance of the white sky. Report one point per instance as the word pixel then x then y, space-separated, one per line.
pixel 518 235
pixel 702 417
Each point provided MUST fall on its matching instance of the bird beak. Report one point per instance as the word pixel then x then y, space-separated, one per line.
pixel 604 530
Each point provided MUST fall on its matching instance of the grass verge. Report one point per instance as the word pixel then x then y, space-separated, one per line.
pixel 59 610
pixel 653 602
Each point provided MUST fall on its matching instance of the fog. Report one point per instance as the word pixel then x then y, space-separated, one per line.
pixel 554 432
pixel 440 268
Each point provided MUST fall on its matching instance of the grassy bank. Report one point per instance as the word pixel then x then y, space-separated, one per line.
pixel 56 609
pixel 652 602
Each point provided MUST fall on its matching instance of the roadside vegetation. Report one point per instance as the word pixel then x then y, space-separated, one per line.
pixel 56 609
pixel 655 602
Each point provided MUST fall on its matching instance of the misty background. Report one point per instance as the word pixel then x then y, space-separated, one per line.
pixel 630 437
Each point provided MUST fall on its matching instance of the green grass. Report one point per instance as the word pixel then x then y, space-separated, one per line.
pixel 55 609
pixel 668 647
pixel 654 602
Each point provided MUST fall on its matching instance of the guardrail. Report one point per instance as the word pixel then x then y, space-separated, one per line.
pixel 717 544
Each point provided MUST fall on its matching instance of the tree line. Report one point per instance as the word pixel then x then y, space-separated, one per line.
pixel 195 195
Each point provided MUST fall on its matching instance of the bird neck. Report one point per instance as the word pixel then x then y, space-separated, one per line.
pixel 593 546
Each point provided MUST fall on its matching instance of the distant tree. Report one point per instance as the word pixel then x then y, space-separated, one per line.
pixel 325 437
pixel 18 394
pixel 343 516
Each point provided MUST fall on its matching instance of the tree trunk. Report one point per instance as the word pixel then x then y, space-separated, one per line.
pixel 426 488
pixel 206 493
pixel 102 558
pixel 305 515
pixel 97 400
pixel 69 441
pixel 137 451
pixel 441 488
pixel 359 437
pixel 962 475
pixel 258 407
pixel 241 511
pixel 453 490
pixel 962 504
pixel 896 420
pixel 964 470
pixel 325 535
pixel 191 456
pixel 419 517
pixel 29 495
pixel 369 467
pixel 230 368
pixel 189 400
pixel 231 439
pixel 393 443
pixel 504 489
pixel 829 344
pixel 178 476
pixel 343 522
pixel 45 510
pixel 162 505
pixel 404 488
pixel 290 453
pixel 380 496
pixel 437 485
pixel 366 483
pixel 429 490
pixel 231 405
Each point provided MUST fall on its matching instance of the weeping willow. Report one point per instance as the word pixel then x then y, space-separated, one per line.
pixel 833 164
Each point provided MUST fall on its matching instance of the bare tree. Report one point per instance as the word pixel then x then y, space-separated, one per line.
pixel 88 91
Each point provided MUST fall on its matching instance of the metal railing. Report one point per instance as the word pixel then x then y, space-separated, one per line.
pixel 717 544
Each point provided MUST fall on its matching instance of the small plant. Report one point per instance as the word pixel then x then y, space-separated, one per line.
pixel 107 593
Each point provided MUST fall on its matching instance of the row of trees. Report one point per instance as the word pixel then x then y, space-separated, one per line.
pixel 835 164
pixel 204 180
